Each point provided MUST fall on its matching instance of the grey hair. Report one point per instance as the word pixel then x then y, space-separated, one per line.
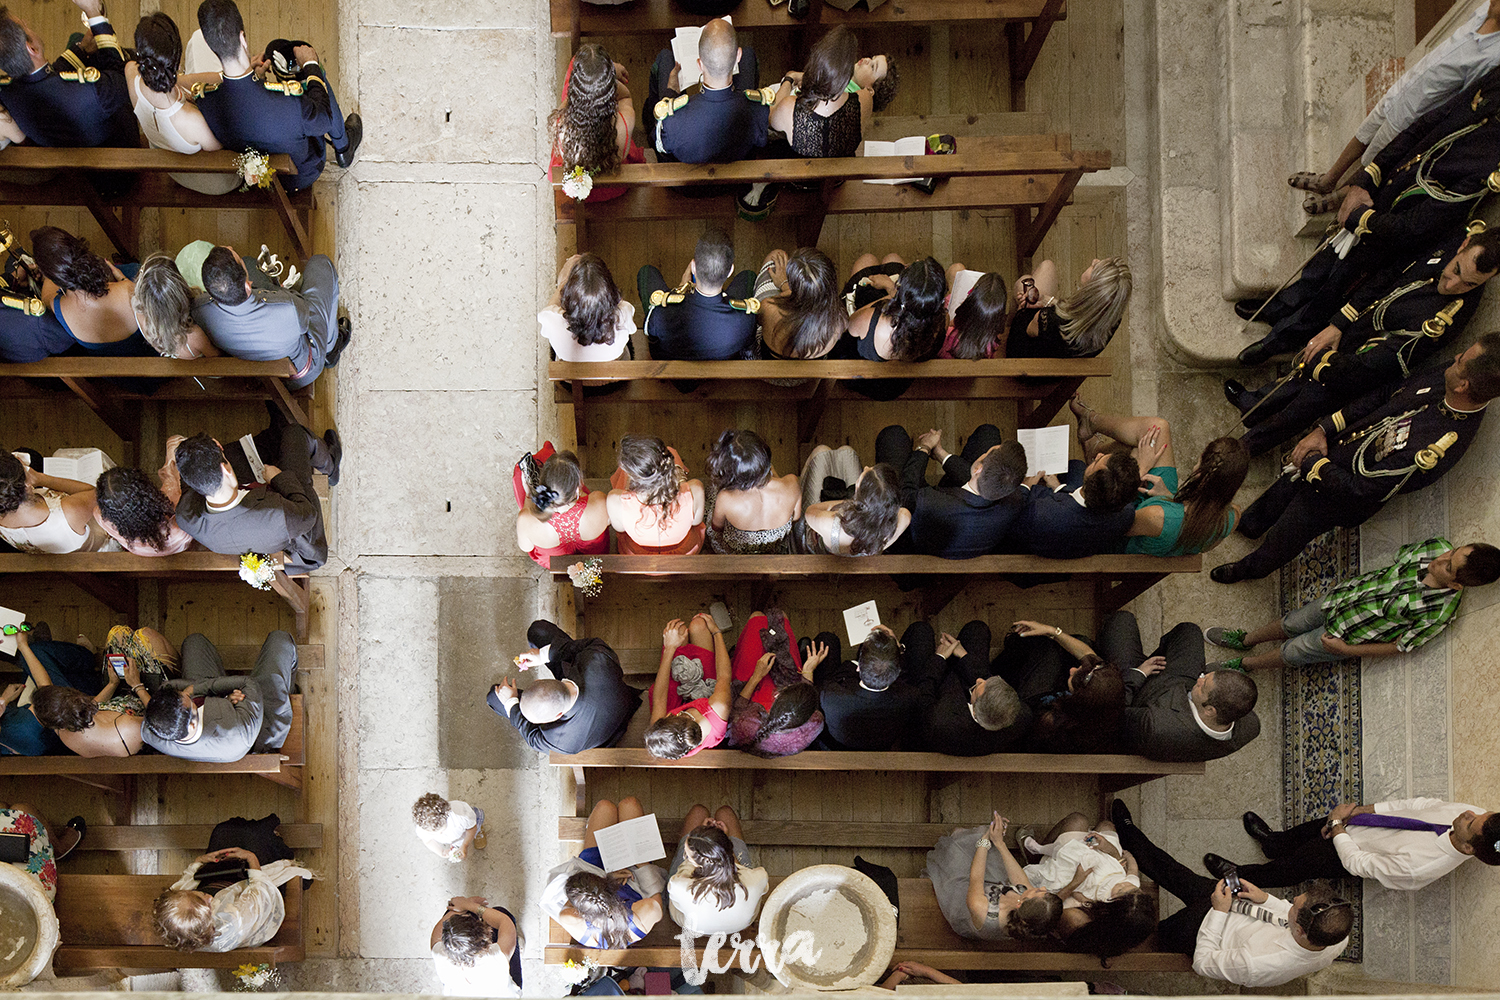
pixel 162 304
pixel 1092 313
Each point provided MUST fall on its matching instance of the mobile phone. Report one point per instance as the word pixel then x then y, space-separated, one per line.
pixel 116 663
pixel 1232 880
pixel 15 848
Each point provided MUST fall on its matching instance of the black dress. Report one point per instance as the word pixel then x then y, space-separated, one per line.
pixel 837 135
pixel 1048 342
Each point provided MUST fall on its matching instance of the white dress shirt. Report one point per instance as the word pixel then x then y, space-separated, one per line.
pixel 1403 859
pixel 1247 951
pixel 1453 65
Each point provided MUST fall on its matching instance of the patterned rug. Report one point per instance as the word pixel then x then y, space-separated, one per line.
pixel 1320 758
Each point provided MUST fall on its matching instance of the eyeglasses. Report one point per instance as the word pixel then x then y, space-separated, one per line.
pixel 13 629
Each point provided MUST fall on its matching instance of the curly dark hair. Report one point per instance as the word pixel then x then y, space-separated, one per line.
pixel 13 489
pixel 1115 926
pixel 67 260
pixel 583 129
pixel 1035 918
pixel 65 708
pixel 158 51
pixel 872 513
pixel 137 508
pixel 591 301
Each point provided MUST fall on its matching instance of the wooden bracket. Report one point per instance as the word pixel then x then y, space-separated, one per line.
pixel 301 245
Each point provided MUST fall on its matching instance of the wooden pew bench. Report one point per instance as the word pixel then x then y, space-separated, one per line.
pixel 114 774
pixel 573 19
pixel 153 188
pixel 1034 175
pixel 1040 386
pixel 113 578
pixel 106 923
pixel 1117 579
pixel 204 379
pixel 186 837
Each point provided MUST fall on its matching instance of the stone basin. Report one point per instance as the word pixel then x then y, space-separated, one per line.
pixel 28 928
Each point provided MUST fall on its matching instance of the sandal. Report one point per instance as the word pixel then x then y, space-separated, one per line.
pixel 1321 204
pixel 1085 415
pixel 76 823
pixel 1307 180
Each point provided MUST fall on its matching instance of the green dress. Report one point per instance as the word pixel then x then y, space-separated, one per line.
pixel 1173 514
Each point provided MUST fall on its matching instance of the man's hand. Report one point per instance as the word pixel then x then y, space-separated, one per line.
pixel 235 697
pixel 259 65
pixel 1340 814
pixel 673 78
pixel 11 692
pixel 1337 646
pixel 1052 481
pixel 1315 443
pixel 1327 339
pixel 675 634
pixel 928 441
pixel 1222 896
pixel 947 645
pixel 1032 480
pixel 1030 629
pixel 1252 892
pixel 304 54
pixel 1153 665
pixel 506 692
pixel 1356 200
pixel 817 652
pixel 90 8
pixel 272 471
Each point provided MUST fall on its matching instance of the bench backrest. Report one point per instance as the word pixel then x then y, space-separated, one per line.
pixel 220 161
pixel 194 561
pixel 733 566
pixel 186 837
pixel 146 368
pixel 848 760
pixel 658 16
pixel 820 368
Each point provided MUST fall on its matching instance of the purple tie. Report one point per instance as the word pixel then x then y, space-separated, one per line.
pixel 1397 822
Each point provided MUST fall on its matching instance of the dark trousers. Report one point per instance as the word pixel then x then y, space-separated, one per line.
pixel 544 633
pixel 1290 514
pixel 1178 932
pixel 1301 309
pixel 1119 643
pixel 1291 408
pixel 921 649
pixel 1296 855
pixel 894 446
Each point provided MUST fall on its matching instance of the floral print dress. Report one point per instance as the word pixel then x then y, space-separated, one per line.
pixel 39 858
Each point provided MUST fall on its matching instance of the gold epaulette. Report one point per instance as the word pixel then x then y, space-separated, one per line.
pixel 765 95
pixel 1428 458
pixel 197 90
pixel 1339 423
pixel 80 73
pixel 1364 223
pixel 1317 372
pixel 1349 312
pixel 1374 172
pixel 749 306
pixel 291 88
pixel 668 106
pixel 662 297
pixel 1315 474
pixel 27 304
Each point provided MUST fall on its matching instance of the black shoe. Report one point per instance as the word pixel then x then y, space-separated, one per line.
pixel 1257 828
pixel 1241 398
pixel 346 331
pixel 1245 308
pixel 76 823
pixel 40 632
pixel 1120 813
pixel 1260 352
pixel 335 454
pixel 1227 573
pixel 354 131
pixel 1216 866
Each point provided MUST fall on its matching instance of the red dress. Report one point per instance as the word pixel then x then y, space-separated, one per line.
pixel 633 154
pixel 751 648
pixel 564 522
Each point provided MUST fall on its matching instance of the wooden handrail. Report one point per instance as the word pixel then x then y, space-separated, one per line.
pixel 561 371
pixel 220 161
pixel 851 760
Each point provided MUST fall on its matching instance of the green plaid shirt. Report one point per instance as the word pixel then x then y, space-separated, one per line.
pixel 1392 604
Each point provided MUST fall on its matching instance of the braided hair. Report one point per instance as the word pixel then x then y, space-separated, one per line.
pixel 583 129
pixel 1208 492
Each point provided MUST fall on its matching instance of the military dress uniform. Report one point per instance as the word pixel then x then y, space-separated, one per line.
pixel 1424 184
pixel 1378 447
pixel 78 100
pixel 1392 324
pixel 276 116
pixel 713 126
pixel 682 325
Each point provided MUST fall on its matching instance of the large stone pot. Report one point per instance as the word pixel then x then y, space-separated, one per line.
pixel 28 928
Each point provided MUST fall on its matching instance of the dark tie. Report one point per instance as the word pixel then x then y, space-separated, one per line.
pixel 1397 822
pixel 198 701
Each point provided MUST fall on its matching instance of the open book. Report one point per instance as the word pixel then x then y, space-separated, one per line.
pixel 83 464
pixel 1046 449
pixel 685 52
pixel 910 145
pixel 963 283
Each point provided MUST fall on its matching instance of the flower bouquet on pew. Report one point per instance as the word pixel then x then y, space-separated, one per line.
pixel 258 571
pixel 254 169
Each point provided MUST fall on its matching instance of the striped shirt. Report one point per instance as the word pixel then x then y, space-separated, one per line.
pixel 1393 604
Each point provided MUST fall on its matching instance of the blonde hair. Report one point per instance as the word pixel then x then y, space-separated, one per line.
pixel 163 305
pixel 430 812
pixel 1092 314
pixel 185 920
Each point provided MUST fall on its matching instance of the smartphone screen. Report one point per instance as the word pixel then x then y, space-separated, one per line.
pixel 116 663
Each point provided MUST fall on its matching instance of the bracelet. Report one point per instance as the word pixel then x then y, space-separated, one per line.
pixel 1059 630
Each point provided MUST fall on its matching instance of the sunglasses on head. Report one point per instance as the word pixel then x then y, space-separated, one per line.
pixel 13 629
pixel 1317 908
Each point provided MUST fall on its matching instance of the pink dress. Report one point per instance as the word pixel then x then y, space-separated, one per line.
pixel 633 154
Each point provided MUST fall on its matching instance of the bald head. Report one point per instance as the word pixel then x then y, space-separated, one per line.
pixel 546 701
pixel 718 50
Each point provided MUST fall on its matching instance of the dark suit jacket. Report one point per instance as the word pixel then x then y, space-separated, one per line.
pixel 603 709
pixel 1055 524
pixel 1159 721
pixel 229 730
pixel 856 719
pixel 282 515
pixel 949 521
pixel 945 723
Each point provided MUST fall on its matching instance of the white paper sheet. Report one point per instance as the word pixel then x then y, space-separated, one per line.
pixel 9 617
pixel 1046 449
pixel 685 51
pixel 860 621
pixel 629 843
pixel 909 145
pixel 963 283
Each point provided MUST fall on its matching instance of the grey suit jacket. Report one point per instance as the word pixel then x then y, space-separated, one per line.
pixel 229 730
pixel 282 515
pixel 267 326
pixel 1159 721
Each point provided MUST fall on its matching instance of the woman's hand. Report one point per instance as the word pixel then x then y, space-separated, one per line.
pixel 622 74
pixel 675 634
pixel 1102 845
pixel 996 832
pixel 817 652
pixel 1153 486
pixel 1030 629
pixel 709 623
pixel 775 264
pixel 132 673
pixel 466 904
pixel 1151 446
pixel 11 693
pixel 567 269
pixel 765 663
